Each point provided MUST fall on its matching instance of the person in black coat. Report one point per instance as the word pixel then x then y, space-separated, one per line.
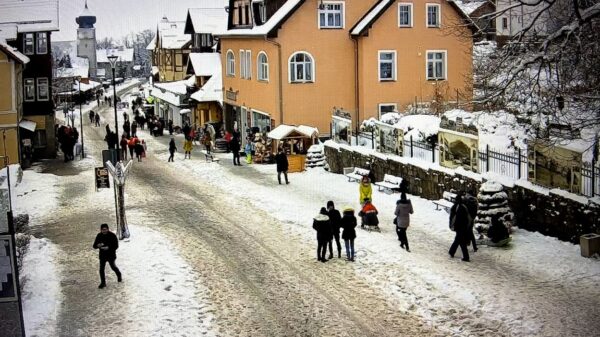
pixel 335 218
pixel 459 221
pixel 322 226
pixel 472 205
pixel 172 149
pixel 107 244
pixel 282 165
pixel 348 223
pixel 235 147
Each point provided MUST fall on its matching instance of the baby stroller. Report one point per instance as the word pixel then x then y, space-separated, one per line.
pixel 368 215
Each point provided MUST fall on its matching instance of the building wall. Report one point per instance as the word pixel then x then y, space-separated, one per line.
pixel 171 63
pixel 9 104
pixel 411 45
pixel 86 47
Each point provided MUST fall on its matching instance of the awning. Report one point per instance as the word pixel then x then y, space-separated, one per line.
pixel 184 111
pixel 27 125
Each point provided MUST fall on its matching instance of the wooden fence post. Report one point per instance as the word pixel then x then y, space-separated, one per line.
pixel 411 147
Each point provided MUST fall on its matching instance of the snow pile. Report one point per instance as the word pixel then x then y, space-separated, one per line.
pixel 315 156
pixel 420 127
pixel 500 130
pixel 390 118
pixel 39 276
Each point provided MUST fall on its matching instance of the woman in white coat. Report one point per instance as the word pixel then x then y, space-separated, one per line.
pixel 403 211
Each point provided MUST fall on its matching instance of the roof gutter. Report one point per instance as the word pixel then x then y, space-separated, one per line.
pixel 356 82
pixel 279 74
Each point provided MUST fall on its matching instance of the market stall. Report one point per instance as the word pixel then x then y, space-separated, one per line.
pixel 295 141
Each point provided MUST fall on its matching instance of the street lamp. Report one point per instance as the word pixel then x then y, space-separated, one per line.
pixel 113 62
pixel 80 116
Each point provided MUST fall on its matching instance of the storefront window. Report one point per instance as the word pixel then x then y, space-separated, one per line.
pixel 262 121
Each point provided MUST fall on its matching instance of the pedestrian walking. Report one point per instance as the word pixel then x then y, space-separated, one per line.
pixel 365 190
pixel 459 223
pixel 127 127
pixel 248 150
pixel 123 148
pixel 348 224
pixel 282 165
pixel 403 211
pixel 188 146
pixel 131 146
pixel 206 141
pixel 472 205
pixel 172 149
pixel 134 126
pixel 139 150
pixel 170 127
pixel 234 145
pixel 336 222
pixel 92 114
pixel 322 226
pixel 107 244
pixel 97 119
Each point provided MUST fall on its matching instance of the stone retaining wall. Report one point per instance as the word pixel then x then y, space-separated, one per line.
pixel 552 214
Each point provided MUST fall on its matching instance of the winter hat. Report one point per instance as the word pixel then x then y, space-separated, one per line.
pixel 330 204
pixel 348 209
pixel 104 225
pixel 323 210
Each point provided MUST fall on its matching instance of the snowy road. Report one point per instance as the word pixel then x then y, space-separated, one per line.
pixel 219 250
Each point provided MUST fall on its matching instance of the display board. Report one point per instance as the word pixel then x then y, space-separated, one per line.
pixel 554 166
pixel 389 139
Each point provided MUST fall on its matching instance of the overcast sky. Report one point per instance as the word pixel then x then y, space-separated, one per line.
pixel 117 18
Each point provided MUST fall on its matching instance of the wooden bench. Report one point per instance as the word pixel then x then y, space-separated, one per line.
pixel 209 157
pixel 390 182
pixel 355 173
pixel 446 202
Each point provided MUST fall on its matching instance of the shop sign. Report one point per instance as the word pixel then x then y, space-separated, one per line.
pixel 102 180
pixel 231 95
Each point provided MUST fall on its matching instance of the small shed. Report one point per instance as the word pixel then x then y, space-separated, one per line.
pixel 295 141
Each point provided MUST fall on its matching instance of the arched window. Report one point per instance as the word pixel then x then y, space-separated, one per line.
pixel 301 68
pixel 230 63
pixel 263 67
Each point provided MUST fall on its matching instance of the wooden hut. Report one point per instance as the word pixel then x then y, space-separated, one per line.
pixel 295 141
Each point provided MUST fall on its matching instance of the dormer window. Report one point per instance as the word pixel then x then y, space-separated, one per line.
pixel 331 15
pixel 241 12
pixel 259 12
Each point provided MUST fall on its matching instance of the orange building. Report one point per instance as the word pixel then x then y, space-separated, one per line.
pixel 295 61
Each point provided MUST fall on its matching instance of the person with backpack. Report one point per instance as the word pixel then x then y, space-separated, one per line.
pixel 403 211
pixel 472 205
pixel 348 223
pixel 459 223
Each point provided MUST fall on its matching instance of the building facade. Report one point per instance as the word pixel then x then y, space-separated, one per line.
pixel 296 61
pixel 86 40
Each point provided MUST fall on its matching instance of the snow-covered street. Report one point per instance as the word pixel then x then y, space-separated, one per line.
pixel 222 250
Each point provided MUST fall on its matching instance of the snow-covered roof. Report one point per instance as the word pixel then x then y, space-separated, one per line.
pixel 79 65
pixel 176 87
pixel 206 20
pixel 288 7
pixel 171 34
pixel 468 7
pixel 13 53
pixel 8 31
pixel 371 16
pixel 30 15
pixel 419 126
pixel 212 91
pixel 205 64
pixel 284 131
pixel 124 54
pixel 86 86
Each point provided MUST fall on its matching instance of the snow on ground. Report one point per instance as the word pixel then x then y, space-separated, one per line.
pixel 40 286
pixel 36 195
pixel 433 286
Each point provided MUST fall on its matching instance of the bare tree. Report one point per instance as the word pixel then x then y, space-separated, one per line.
pixel 549 69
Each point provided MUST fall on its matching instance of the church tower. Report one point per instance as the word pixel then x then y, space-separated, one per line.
pixel 86 39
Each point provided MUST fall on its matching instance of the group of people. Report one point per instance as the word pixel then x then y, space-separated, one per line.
pixel 127 142
pixel 67 137
pixel 327 224
pixel 94 118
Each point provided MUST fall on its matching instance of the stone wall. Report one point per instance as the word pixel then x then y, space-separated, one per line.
pixel 552 215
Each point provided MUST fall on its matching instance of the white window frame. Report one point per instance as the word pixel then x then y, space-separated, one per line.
pixel 326 11
pixel 438 16
pixel 248 64
pixel 312 68
pixel 262 69
pixel 39 87
pixel 380 105
pixel 32 86
pixel 410 13
pixel 230 65
pixel 504 21
pixel 42 36
pixel 394 62
pixel 25 39
pixel 242 63
pixel 444 65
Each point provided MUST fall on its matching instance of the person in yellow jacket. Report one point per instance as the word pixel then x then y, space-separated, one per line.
pixel 187 147
pixel 365 190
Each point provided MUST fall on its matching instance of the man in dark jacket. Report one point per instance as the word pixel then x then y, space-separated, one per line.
pixel 235 147
pixel 336 222
pixel 322 226
pixel 459 221
pixel 282 165
pixel 107 244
